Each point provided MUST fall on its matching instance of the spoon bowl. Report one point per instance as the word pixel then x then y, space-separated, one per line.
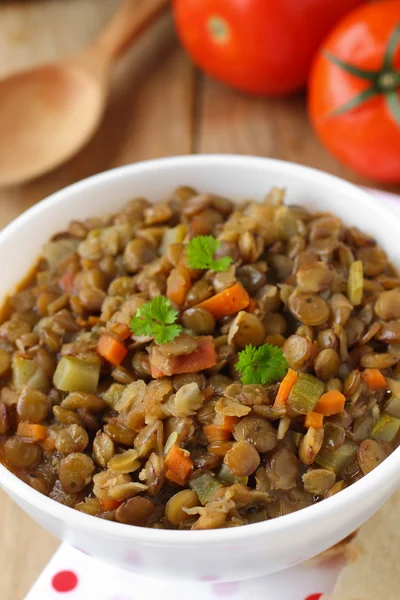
pixel 48 113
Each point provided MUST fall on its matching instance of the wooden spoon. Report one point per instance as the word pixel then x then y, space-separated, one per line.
pixel 50 112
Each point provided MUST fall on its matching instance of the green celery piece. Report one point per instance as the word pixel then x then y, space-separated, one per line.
pixel 76 375
pixel 305 394
pixel 205 486
pixel 172 235
pixel 386 428
pixel 355 283
pixel 393 406
pixel 226 476
pixel 39 381
pixel 113 394
pixel 336 461
pixel 22 370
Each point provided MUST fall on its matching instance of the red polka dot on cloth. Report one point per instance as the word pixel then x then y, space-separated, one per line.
pixel 64 581
pixel 313 597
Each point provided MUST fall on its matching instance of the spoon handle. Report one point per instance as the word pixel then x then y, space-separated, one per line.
pixel 133 17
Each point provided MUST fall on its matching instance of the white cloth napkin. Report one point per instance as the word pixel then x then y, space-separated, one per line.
pixel 72 575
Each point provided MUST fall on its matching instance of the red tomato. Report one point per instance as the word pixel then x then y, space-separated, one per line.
pixel 257 46
pixel 354 97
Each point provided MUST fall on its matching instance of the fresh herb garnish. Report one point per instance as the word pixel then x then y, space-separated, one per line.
pixel 265 364
pixel 157 319
pixel 200 254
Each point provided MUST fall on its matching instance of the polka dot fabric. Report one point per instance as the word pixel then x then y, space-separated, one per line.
pixel 64 581
pixel 74 575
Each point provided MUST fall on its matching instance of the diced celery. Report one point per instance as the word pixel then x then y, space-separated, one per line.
pixel 339 458
pixel 39 381
pixel 386 428
pixel 114 393
pixel 393 406
pixel 172 235
pixel 205 486
pixel 226 475
pixel 305 394
pixel 355 283
pixel 76 375
pixel 22 370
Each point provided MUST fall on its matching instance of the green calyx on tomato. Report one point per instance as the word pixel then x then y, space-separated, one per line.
pixel 385 80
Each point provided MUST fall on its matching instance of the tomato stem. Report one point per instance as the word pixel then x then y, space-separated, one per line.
pixel 388 81
pixel 352 69
pixel 219 29
pixel 385 80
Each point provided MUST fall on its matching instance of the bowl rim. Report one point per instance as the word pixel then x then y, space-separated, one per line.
pixel 365 486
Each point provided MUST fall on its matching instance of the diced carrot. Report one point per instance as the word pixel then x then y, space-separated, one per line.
pixel 34 432
pixel 374 379
pixel 48 445
pixel 178 465
pixel 227 302
pixel 226 422
pixel 178 284
pixel 315 420
pixel 251 306
pixel 66 282
pixel 214 433
pixel 204 357
pixel 221 430
pixel 111 349
pixel 330 403
pixel 110 504
pixel 121 330
pixel 284 389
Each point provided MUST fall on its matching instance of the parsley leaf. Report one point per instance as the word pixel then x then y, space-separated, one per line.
pixel 265 364
pixel 200 253
pixel 157 319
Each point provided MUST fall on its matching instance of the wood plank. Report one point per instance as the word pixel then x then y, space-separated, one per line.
pixel 228 121
pixel 149 115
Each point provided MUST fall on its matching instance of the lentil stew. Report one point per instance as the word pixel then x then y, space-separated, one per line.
pixel 196 363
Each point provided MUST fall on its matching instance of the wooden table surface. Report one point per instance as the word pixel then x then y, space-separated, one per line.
pixel 160 105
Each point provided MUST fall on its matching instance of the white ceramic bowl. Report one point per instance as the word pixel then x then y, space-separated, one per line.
pixel 226 554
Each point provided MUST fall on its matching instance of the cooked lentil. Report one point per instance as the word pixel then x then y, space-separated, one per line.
pixel 137 432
